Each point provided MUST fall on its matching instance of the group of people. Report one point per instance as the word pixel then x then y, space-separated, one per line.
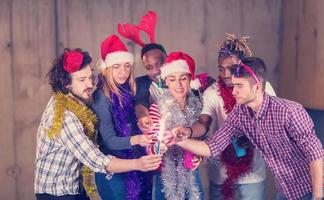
pixel 145 137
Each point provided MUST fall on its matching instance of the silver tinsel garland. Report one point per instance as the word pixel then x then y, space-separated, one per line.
pixel 178 182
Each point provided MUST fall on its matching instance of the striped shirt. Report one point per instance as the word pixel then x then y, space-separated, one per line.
pixel 283 133
pixel 59 160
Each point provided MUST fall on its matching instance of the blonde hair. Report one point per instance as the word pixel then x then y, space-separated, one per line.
pixel 109 84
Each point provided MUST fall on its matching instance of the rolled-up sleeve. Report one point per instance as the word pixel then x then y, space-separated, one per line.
pixel 301 129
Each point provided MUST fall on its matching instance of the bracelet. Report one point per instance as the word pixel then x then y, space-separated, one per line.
pixel 190 132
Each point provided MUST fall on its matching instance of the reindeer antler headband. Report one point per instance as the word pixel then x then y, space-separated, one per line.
pixel 147 25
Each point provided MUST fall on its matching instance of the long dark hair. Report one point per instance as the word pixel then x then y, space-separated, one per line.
pixel 58 77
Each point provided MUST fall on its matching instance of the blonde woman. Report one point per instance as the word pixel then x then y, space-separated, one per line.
pixel 113 102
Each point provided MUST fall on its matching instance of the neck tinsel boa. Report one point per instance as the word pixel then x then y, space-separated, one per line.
pixel 88 120
pixel 178 182
pixel 235 167
pixel 126 125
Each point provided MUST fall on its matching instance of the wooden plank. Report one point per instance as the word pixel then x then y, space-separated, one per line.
pixel 289 48
pixel 302 66
pixel 33 51
pixel 309 77
pixel 221 17
pixel 261 21
pixel 87 30
pixel 7 147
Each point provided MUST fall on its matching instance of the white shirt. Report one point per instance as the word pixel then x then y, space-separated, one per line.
pixel 213 105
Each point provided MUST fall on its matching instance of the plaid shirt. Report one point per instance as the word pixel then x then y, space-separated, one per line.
pixel 59 160
pixel 283 133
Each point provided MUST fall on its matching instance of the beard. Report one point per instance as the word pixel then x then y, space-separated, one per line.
pixel 228 82
pixel 86 101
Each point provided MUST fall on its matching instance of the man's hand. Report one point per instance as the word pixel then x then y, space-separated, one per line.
pixel 142 139
pixel 148 163
pixel 181 133
pixel 176 135
pixel 169 139
pixel 145 124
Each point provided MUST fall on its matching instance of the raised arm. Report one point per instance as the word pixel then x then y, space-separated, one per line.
pixel 196 147
pixel 214 145
pixel 210 105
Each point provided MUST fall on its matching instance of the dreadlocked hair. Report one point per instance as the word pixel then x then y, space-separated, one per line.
pixel 235 46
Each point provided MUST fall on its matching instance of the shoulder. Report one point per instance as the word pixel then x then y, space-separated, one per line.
pixel 269 89
pixel 211 90
pixel 211 94
pixel 143 79
pixel 285 104
pixel 99 98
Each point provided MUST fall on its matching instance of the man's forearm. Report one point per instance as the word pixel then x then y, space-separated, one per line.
pixel 316 170
pixel 198 130
pixel 117 165
pixel 195 146
pixel 201 127
pixel 141 111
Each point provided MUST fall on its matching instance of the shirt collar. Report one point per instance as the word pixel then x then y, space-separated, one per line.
pixel 263 108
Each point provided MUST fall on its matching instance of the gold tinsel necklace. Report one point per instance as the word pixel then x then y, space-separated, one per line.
pixel 88 120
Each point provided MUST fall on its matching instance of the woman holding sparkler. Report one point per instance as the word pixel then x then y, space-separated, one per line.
pixel 113 103
pixel 179 178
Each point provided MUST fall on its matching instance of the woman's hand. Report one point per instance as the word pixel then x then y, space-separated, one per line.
pixel 143 139
pixel 148 163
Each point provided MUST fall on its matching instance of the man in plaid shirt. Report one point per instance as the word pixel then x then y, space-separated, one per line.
pixel 280 129
pixel 62 144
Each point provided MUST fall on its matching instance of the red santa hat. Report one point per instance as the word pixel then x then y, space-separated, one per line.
pixel 114 51
pixel 180 62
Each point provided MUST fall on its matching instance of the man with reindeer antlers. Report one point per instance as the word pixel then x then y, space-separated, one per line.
pixel 153 56
pixel 150 87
